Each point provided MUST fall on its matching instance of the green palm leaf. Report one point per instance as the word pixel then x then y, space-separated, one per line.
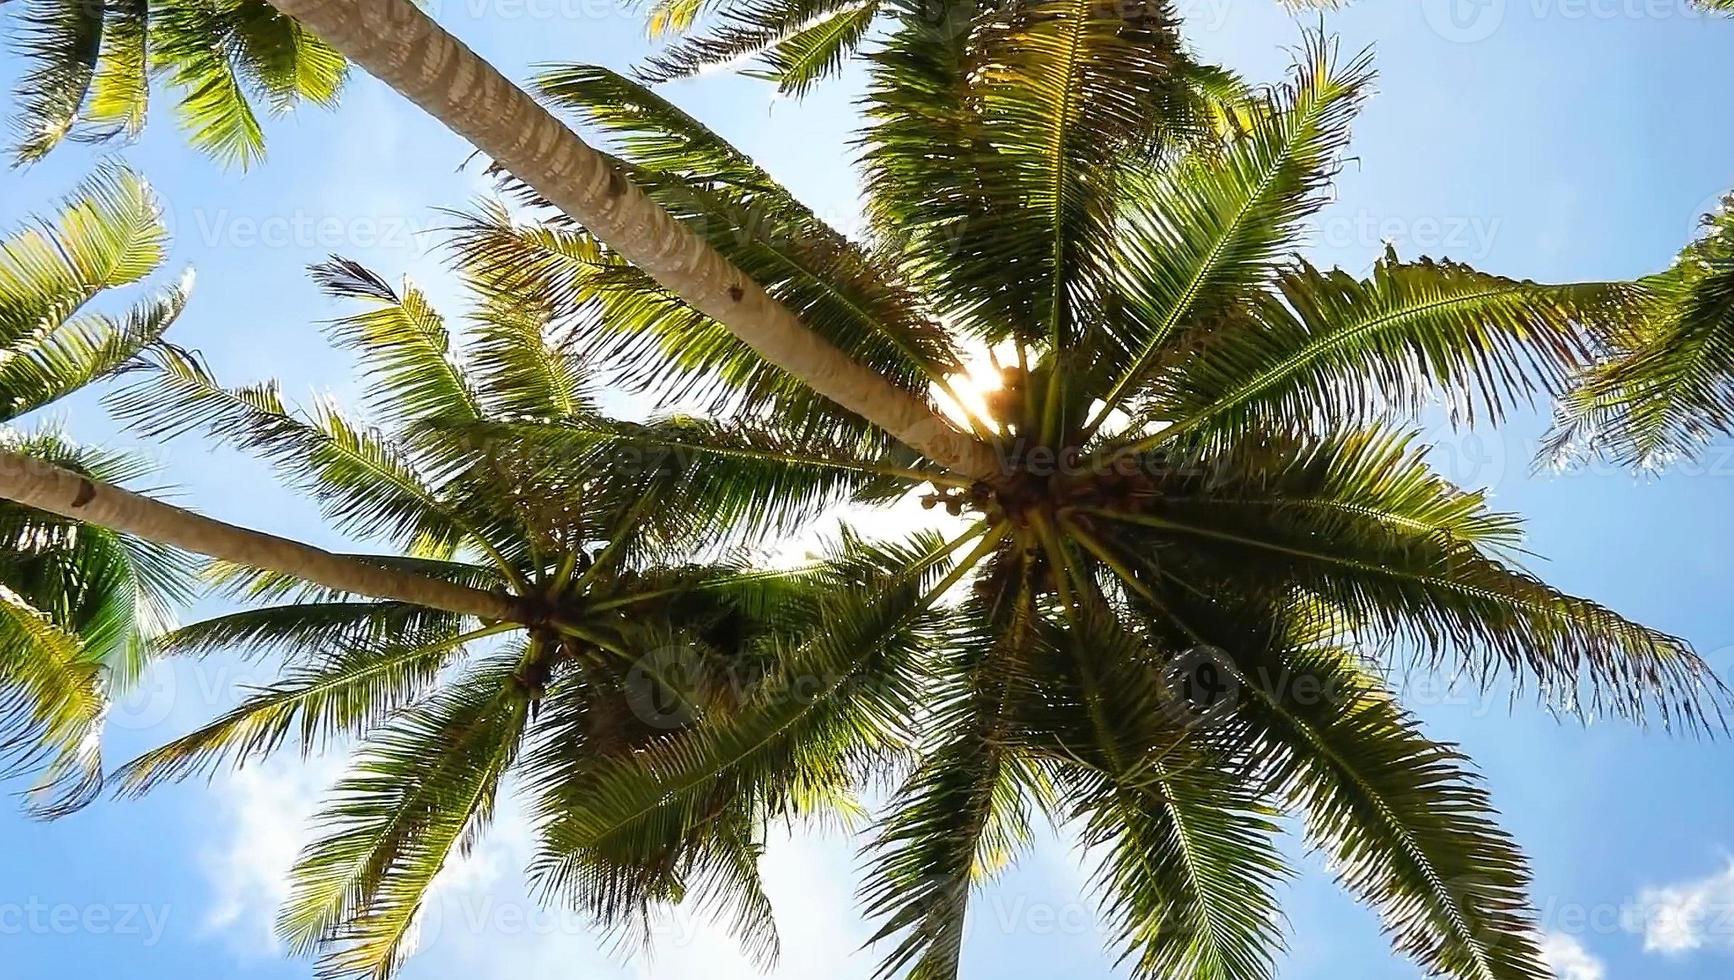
pixel 800 41
pixel 1219 223
pixel 856 300
pixel 363 482
pixel 719 481
pixel 346 692
pixel 1188 863
pixel 1348 350
pixel 62 40
pixel 108 233
pixel 956 822
pixel 1669 385
pixel 51 708
pixel 299 627
pixel 404 346
pixel 192 44
pixel 120 92
pixel 877 629
pixel 520 371
pixel 1396 569
pixel 86 603
pixel 1404 818
pixel 48 366
pixel 422 791
pixel 818 50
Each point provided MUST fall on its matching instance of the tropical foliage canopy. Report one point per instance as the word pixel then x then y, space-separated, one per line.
pixel 91 64
pixel 78 603
pixel 631 620
pixel 1205 492
pixel 1163 622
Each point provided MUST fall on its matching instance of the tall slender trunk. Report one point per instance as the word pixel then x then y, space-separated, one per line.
pixel 398 44
pixel 45 486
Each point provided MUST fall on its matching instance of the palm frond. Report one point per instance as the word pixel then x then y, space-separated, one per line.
pixel 113 591
pixel 819 49
pixel 120 92
pixel 1405 820
pixel 51 708
pixel 953 824
pixel 343 692
pixel 964 813
pixel 283 60
pixel 1188 868
pixel 362 481
pixel 404 346
pixel 1342 351
pixel 300 628
pixel 704 478
pixel 799 40
pixel 108 233
pixel 1195 237
pixel 61 40
pixel 1668 385
pixel 519 370
pixel 1396 570
pixel 877 628
pixel 42 369
pixel 843 292
pixel 995 141
pixel 422 792
pixel 192 44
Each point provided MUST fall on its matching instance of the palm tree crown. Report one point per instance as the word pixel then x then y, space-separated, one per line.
pixel 91 63
pixel 628 621
pixel 78 603
pixel 1203 494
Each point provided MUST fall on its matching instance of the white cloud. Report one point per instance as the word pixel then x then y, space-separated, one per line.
pixel 479 920
pixel 502 933
pixel 1688 916
pixel 266 807
pixel 1568 959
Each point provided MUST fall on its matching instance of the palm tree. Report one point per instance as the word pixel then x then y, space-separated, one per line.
pixel 1204 512
pixel 91 63
pixel 1188 512
pixel 629 624
pixel 1666 385
pixel 78 604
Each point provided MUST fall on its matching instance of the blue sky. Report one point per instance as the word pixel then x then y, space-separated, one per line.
pixel 1555 139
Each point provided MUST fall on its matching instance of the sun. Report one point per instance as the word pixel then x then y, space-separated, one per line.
pixel 967 396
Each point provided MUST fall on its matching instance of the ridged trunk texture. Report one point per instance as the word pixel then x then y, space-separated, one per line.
pixel 45 486
pixel 401 46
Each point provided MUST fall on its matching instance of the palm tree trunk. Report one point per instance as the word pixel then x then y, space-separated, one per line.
pixel 398 44
pixel 45 486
